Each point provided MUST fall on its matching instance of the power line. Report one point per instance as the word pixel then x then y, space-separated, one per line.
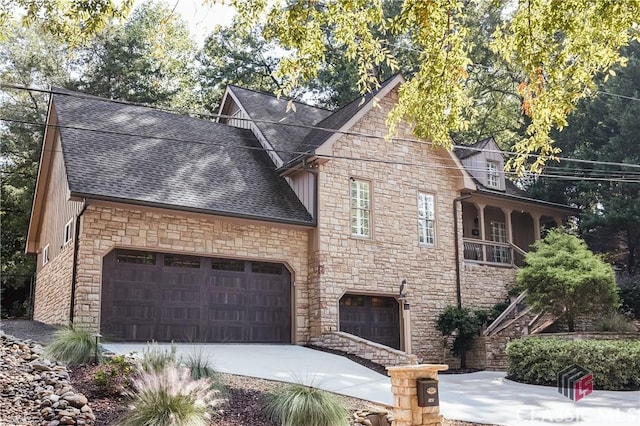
pixel 364 159
pixel 255 121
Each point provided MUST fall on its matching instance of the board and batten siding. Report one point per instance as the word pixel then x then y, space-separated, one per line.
pixel 477 165
pixel 58 208
pixel 304 185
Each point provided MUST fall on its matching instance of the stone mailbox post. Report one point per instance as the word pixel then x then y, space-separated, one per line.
pixel 404 385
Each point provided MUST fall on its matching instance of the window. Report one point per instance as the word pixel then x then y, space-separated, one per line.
pixel 426 219
pixel 493 174
pixel 177 261
pixel 136 257
pixel 499 254
pixel 266 268
pixel 45 255
pixel 360 208
pixel 68 229
pixel 227 265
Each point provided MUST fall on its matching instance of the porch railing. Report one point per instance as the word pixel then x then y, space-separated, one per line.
pixel 492 252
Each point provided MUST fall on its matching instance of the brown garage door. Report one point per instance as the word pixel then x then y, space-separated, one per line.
pixel 168 297
pixel 373 318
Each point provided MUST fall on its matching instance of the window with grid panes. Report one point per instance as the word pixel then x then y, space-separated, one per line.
pixel 426 219
pixel 360 208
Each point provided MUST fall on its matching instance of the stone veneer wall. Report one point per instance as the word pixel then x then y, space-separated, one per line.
pixel 52 299
pixel 343 264
pixel 107 227
pixel 483 286
pixel 366 349
pixel 602 335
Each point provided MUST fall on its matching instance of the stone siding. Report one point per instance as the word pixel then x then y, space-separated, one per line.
pixel 52 299
pixel 366 349
pixel 376 265
pixel 483 286
pixel 107 227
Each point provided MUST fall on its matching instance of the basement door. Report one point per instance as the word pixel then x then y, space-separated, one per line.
pixel 374 318
pixel 170 297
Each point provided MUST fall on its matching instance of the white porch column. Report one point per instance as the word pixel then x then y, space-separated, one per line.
pixel 536 225
pixel 483 236
pixel 507 224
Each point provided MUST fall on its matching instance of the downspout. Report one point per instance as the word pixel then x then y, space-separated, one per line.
pixel 76 245
pixel 457 246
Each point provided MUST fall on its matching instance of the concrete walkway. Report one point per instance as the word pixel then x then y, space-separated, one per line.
pixel 483 397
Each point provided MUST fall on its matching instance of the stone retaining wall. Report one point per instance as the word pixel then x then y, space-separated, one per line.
pixel 366 349
pixel 602 335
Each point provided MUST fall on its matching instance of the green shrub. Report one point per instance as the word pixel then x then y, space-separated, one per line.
pixel 462 323
pixel 155 358
pixel 615 322
pixel 170 397
pixel 300 405
pixel 72 346
pixel 201 368
pixel 615 364
pixel 629 290
pixel 114 376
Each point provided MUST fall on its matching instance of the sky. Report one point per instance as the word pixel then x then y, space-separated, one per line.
pixel 200 18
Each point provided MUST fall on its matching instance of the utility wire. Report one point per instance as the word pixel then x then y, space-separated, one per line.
pixel 279 123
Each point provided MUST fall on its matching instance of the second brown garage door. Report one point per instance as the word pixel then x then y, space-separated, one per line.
pixel 168 297
pixel 374 318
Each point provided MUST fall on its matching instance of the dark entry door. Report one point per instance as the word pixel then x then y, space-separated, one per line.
pixel 374 318
pixel 169 297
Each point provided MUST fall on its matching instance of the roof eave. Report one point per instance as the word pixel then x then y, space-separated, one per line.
pixel 44 167
pixel 568 209
pixel 88 196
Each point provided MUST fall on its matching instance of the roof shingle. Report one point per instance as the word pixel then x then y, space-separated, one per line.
pixel 142 155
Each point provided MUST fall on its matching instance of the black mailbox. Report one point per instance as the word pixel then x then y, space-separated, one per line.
pixel 427 392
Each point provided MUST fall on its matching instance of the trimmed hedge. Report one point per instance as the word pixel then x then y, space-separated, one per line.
pixel 615 364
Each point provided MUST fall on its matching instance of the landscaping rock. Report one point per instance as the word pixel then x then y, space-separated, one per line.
pixel 36 391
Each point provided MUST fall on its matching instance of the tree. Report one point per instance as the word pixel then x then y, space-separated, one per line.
pixel 606 128
pixel 32 58
pixel 565 278
pixel 151 60
pixel 72 21
pixel 464 325
pixel 558 46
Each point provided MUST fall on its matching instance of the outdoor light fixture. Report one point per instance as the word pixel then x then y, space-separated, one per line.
pixel 95 349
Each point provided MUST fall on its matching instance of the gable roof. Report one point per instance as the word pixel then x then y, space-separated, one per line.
pixel 473 149
pixel 283 129
pixel 140 155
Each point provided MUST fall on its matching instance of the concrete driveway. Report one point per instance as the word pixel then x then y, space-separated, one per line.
pixel 483 397
pixel 286 363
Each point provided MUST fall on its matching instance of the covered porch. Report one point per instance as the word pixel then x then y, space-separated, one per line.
pixel 499 230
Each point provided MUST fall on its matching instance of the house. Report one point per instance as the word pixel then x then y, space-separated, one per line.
pixel 274 224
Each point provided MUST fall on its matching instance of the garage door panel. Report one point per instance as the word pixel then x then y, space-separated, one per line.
pixel 189 298
pixel 374 318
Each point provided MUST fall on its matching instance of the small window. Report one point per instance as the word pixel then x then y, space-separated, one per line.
pixel 266 268
pixel 136 257
pixel 45 255
pixel 227 265
pixel 426 219
pixel 68 229
pixel 352 300
pixel 360 208
pixel 178 261
pixel 493 174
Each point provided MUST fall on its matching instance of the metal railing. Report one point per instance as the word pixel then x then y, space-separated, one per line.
pixel 488 251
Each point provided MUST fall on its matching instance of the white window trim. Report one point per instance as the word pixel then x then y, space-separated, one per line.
pixel 360 209
pixel 493 173
pixel 68 236
pixel 45 255
pixel 425 219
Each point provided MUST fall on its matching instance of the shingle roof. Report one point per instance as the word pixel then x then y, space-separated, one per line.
pixel 473 149
pixel 277 124
pixel 141 155
pixel 338 119
pixel 293 141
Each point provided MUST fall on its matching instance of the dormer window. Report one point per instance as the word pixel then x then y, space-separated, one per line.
pixel 493 174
